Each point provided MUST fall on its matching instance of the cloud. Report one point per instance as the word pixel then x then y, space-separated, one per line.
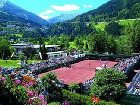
pixel 67 7
pixel 87 6
pixel 45 14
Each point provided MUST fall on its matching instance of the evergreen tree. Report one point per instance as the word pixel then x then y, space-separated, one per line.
pixel 43 52
pixel 5 49
pixel 113 28
pixel 134 36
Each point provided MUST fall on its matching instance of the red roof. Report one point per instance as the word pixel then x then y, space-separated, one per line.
pixel 79 72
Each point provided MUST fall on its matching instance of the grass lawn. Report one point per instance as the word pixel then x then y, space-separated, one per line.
pixel 14 63
pixel 46 43
pixel 10 63
pixel 101 26
pixel 72 45
pixel 18 35
pixel 126 22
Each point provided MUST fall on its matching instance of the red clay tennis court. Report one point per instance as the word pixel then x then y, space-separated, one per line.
pixel 79 72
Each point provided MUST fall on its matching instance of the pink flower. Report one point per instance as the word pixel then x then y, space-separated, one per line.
pixel 44 103
pixel 3 78
pixel 30 93
pixel 23 84
pixel 18 81
pixel 41 97
pixel 26 85
pixel 30 83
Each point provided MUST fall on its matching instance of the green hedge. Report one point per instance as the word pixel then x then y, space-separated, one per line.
pixel 105 56
pixel 75 98
pixel 78 99
pixel 54 103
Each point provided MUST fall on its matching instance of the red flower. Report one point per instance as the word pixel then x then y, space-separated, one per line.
pixel 95 99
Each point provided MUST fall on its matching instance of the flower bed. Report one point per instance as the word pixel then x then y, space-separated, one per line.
pixel 17 92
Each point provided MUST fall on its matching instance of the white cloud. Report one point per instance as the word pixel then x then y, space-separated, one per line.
pixel 87 6
pixel 67 7
pixel 45 14
pixel 49 11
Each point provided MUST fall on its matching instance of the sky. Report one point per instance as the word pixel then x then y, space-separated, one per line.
pixel 52 8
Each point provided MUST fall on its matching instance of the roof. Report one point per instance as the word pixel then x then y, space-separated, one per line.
pixel 37 46
pixel 20 44
pixel 23 45
pixel 57 52
pixel 79 72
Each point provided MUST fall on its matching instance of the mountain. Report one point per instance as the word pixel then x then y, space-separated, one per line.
pixel 6 18
pixel 9 8
pixel 62 18
pixel 112 10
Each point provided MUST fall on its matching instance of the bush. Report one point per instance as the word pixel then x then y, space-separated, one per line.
pixel 54 103
pixel 13 94
pixel 102 103
pixel 75 98
pixel 107 103
pixel 73 87
pixel 109 85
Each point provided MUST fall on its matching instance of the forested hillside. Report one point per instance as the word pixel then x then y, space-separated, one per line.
pixel 7 18
pixel 70 28
pixel 114 9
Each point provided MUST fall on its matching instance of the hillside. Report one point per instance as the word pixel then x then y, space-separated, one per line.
pixel 12 25
pixel 125 22
pixel 114 9
pixel 15 20
pixel 8 18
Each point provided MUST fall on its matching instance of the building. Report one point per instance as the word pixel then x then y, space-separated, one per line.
pixel 57 54
pixel 21 46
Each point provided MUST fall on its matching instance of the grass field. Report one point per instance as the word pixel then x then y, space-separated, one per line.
pixel 72 45
pixel 14 63
pixel 19 35
pixel 101 25
pixel 126 22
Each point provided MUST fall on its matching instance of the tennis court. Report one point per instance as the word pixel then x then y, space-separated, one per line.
pixel 80 72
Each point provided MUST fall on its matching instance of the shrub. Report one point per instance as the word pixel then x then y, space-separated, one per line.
pixel 75 98
pixel 109 85
pixel 73 87
pixel 54 103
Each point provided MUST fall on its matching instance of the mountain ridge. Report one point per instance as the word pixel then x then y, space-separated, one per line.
pixel 62 18
pixel 12 9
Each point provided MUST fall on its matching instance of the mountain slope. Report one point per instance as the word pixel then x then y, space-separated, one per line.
pixel 6 6
pixel 8 18
pixel 114 9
